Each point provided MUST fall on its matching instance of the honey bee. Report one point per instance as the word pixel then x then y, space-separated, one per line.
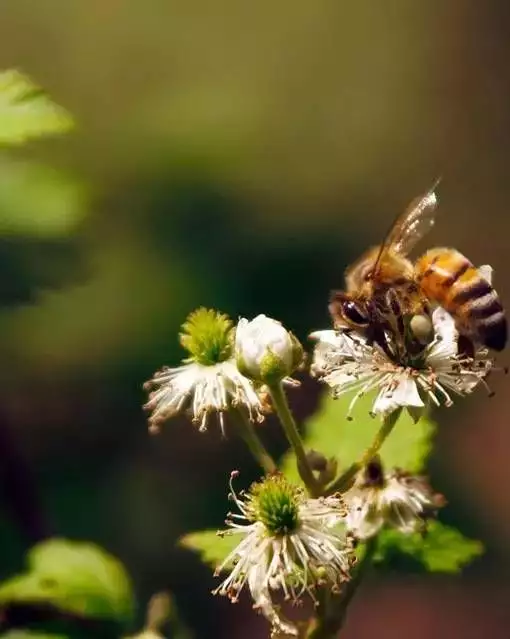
pixel 384 282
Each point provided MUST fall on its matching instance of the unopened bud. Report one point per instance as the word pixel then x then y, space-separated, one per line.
pixel 265 351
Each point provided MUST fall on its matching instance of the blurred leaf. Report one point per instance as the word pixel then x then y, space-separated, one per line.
pixel 73 577
pixel 38 200
pixel 442 549
pixel 329 433
pixel 212 548
pixel 26 112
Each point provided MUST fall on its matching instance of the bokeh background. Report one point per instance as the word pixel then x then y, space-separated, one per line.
pixel 235 155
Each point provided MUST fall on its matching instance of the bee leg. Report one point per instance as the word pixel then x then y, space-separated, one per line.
pixel 396 314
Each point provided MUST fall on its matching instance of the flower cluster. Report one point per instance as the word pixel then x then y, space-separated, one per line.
pixel 293 544
pixel 226 368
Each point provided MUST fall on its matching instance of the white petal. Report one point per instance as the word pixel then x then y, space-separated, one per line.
pixel 263 603
pixel 384 404
pixel 240 331
pixel 405 394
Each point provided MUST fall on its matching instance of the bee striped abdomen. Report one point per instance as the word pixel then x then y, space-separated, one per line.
pixel 450 279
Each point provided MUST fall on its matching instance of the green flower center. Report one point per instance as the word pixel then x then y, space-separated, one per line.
pixel 275 503
pixel 206 335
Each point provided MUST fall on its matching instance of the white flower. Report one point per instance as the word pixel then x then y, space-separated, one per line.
pixel 346 361
pixel 288 543
pixel 265 351
pixel 208 381
pixel 397 499
pixel 202 390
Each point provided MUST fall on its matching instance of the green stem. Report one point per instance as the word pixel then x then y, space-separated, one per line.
pixel 332 616
pixel 383 432
pixel 281 407
pixel 252 440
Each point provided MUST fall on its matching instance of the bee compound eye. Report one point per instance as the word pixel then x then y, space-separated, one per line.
pixel 355 314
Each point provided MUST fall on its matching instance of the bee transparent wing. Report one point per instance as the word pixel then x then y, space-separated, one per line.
pixel 416 221
pixel 409 227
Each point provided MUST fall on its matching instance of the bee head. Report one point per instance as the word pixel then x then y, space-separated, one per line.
pixel 346 310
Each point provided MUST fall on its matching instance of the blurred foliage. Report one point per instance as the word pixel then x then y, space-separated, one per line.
pixel 77 578
pixel 26 112
pixel 38 200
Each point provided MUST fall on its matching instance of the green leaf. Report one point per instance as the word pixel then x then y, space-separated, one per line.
pixel 330 433
pixel 26 112
pixel 36 200
pixel 74 577
pixel 212 548
pixel 442 549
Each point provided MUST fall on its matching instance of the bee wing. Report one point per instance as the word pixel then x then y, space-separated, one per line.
pixel 416 221
pixel 409 227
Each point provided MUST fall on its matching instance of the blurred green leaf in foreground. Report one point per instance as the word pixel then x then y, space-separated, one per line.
pixel 37 200
pixel 26 112
pixel 72 577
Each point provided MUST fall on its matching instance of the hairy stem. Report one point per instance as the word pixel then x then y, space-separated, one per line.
pixel 252 440
pixel 333 613
pixel 282 409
